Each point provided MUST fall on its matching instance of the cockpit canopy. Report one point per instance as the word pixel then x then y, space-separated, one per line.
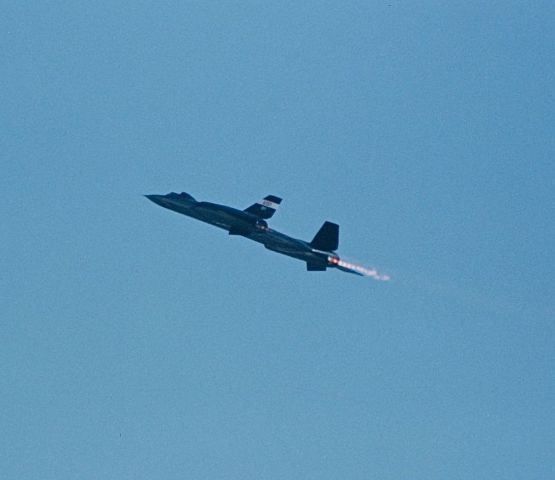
pixel 181 196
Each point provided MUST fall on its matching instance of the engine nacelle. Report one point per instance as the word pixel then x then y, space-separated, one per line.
pixel 261 225
pixel 247 227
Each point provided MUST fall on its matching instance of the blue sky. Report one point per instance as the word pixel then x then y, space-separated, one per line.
pixel 137 343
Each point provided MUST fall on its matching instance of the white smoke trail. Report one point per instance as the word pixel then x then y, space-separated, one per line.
pixel 367 272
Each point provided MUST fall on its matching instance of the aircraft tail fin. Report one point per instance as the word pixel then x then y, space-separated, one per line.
pixel 264 208
pixel 327 238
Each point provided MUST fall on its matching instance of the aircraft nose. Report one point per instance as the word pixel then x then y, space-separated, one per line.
pixel 155 198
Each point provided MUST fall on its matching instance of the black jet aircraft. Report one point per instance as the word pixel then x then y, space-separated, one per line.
pixel 319 254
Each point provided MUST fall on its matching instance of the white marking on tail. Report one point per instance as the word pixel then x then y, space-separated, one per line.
pixel 268 204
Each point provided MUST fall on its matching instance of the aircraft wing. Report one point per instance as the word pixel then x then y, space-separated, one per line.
pixel 264 208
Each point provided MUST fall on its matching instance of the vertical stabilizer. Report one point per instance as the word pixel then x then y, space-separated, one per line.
pixel 264 208
pixel 327 238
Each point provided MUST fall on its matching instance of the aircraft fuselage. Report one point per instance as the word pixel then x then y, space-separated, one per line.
pixel 248 225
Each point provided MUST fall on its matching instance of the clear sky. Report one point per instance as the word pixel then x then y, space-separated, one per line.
pixel 137 343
